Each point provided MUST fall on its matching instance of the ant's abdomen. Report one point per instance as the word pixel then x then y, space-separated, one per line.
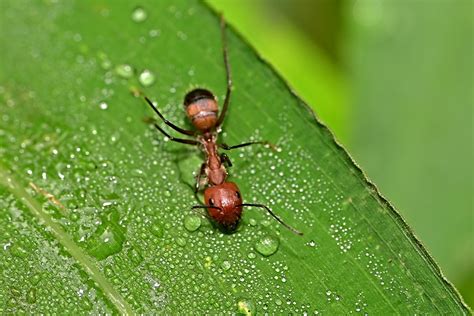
pixel 201 108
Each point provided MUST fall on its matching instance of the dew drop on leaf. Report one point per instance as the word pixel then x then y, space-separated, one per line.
pixel 103 105
pixel 246 307
pixel 146 78
pixel 192 222
pixel 226 265
pixel 157 230
pixel 31 296
pixel 124 71
pixel 139 15
pixel 181 241
pixel 267 245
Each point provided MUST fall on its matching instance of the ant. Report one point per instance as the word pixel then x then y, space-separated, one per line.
pixel 223 200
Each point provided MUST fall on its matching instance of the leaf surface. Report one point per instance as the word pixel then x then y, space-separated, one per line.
pixel 96 204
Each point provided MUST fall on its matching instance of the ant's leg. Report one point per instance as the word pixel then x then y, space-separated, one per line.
pixel 176 128
pixel 293 230
pixel 265 143
pixel 198 178
pixel 226 160
pixel 228 75
pixel 178 140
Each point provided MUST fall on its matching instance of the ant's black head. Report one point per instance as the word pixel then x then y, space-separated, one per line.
pixel 196 95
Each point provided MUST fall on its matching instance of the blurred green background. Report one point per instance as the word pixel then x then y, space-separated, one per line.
pixel 393 79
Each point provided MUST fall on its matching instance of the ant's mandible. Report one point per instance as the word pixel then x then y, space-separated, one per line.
pixel 223 200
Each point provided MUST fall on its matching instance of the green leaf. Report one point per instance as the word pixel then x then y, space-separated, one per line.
pixel 96 204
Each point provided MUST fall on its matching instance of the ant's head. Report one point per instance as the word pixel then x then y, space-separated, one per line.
pixel 201 108
pixel 224 204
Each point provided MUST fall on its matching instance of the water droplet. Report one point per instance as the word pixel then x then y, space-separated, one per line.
pixel 108 243
pixel 103 105
pixel 124 71
pixel 35 279
pixel 251 255
pixel 105 62
pixel 146 78
pixel 135 256
pixel 157 230
pixel 252 222
pixel 139 15
pixel 246 307
pixel 225 265
pixel 278 302
pixel 181 241
pixel 31 296
pixel 108 238
pixel 267 245
pixel 192 222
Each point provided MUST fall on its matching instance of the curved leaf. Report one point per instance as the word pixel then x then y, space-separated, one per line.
pixel 96 205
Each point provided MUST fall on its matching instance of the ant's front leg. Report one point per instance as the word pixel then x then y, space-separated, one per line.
pixel 265 143
pixel 199 180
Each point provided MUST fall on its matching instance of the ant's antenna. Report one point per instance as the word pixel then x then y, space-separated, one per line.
pixel 297 232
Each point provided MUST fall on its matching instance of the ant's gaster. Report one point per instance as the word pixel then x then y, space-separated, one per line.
pixel 222 198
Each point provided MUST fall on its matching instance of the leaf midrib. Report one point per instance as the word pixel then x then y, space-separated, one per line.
pixel 84 261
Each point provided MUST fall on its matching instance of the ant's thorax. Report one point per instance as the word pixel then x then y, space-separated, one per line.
pixel 215 170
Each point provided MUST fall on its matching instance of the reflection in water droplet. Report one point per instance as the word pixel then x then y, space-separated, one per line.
pixel 124 71
pixel 139 15
pixel 267 245
pixel 146 78
pixel 246 307
pixel 192 222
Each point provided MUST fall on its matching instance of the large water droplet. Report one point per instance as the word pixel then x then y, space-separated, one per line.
pixel 246 307
pixel 267 245
pixel 109 242
pixel 139 15
pixel 192 222
pixel 108 238
pixel 124 71
pixel 146 78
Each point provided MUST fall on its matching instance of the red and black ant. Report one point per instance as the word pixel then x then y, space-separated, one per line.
pixel 223 200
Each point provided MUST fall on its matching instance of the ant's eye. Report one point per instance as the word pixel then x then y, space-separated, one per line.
pixel 211 202
pixel 237 193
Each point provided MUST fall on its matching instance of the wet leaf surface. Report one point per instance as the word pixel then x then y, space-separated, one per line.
pixel 95 204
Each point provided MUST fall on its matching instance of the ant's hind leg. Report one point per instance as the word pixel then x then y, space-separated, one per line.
pixel 177 140
pixel 176 128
